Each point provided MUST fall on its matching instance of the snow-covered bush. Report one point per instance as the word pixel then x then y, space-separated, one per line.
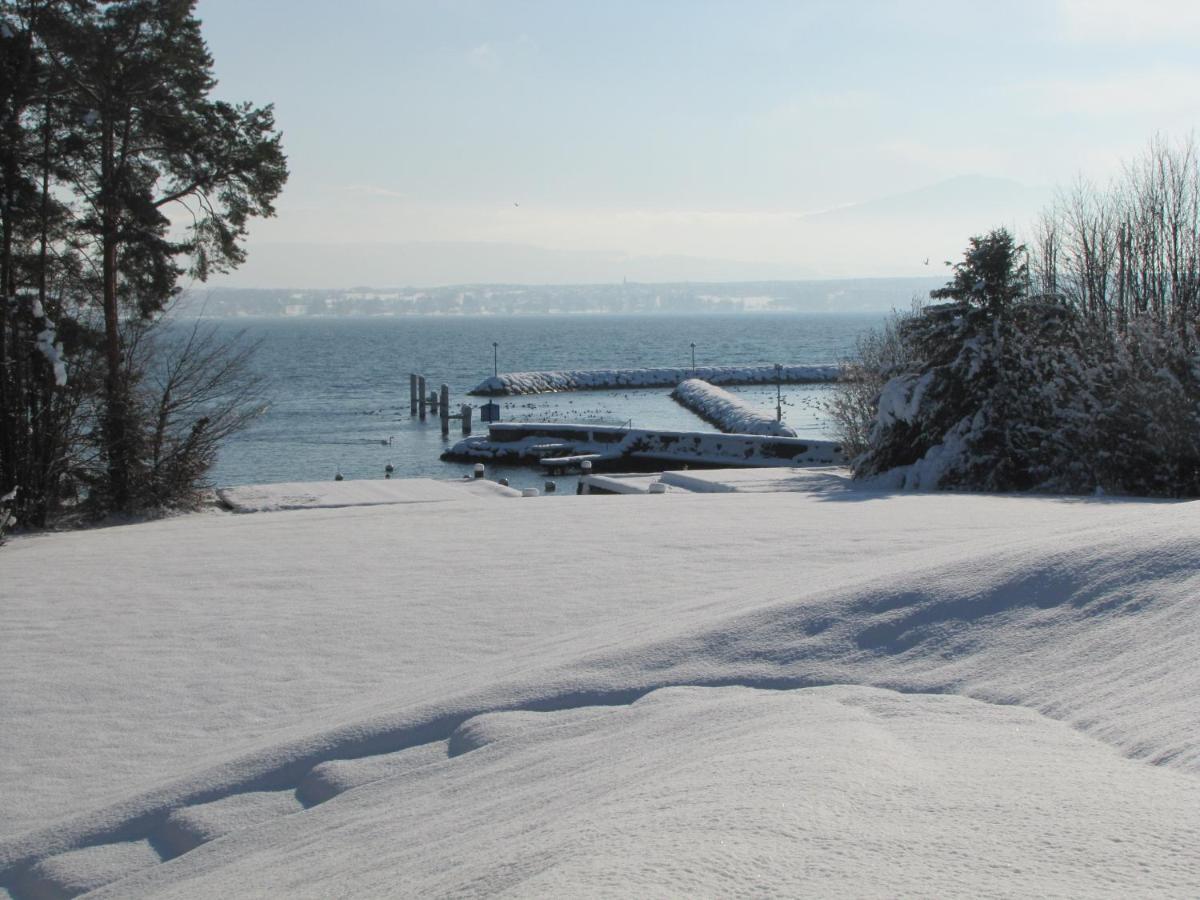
pixel 855 400
pixel 997 391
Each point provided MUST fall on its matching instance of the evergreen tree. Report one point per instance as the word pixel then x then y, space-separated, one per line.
pixel 992 275
pixel 106 124
pixel 140 78
pixel 975 407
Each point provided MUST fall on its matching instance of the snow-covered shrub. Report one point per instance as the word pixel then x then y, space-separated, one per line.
pixel 1143 403
pixel 855 401
pixel 188 391
pixel 1002 392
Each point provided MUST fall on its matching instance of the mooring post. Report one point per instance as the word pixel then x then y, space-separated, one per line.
pixel 585 469
pixel 421 395
pixel 444 406
pixel 465 410
pixel 412 393
pixel 433 402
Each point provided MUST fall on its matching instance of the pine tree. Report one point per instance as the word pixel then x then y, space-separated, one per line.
pixel 140 78
pixel 107 124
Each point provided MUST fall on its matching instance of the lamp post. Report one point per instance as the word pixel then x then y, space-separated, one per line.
pixel 693 358
pixel 778 393
pixel 495 359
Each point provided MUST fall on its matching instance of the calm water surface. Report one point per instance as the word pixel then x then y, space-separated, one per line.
pixel 339 387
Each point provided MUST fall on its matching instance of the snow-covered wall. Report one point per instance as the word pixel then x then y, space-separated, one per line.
pixel 598 379
pixel 727 412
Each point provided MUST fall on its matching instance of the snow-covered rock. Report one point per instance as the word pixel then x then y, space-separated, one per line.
pixel 598 379
pixel 729 413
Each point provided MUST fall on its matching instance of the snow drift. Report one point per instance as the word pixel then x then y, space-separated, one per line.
pixel 647 708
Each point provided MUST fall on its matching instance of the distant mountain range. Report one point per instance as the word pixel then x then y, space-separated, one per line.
pixel 896 235
pixel 478 262
pixel 976 199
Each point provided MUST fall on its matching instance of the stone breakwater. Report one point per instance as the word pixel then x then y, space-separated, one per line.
pixel 508 383
pixel 727 412
pixel 630 449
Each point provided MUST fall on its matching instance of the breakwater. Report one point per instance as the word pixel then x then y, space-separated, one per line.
pixel 507 383
pixel 727 412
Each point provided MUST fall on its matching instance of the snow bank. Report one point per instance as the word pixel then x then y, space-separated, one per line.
pixel 727 412
pixel 831 481
pixel 593 379
pixel 335 494
pixel 835 693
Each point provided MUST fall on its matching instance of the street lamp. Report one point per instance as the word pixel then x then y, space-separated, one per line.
pixel 778 394
pixel 693 357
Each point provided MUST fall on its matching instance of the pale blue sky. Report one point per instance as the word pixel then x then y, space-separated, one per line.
pixel 696 129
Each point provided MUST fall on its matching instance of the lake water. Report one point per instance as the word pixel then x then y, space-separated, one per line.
pixel 339 387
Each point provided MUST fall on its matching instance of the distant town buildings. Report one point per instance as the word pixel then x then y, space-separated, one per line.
pixel 832 296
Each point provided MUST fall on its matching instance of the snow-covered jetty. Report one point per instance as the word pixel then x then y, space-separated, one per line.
pixel 600 379
pixel 729 413
pixel 611 447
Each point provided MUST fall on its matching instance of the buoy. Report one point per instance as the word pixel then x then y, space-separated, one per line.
pixel 550 487
pixel 586 466
pixel 338 477
pixel 389 468
pixel 503 482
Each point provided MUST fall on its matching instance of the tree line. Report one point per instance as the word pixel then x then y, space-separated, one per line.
pixel 1069 364
pixel 119 174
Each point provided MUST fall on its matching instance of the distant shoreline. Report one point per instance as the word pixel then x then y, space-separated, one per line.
pixel 851 296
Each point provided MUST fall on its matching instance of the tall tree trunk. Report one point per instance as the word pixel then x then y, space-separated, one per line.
pixel 8 425
pixel 116 422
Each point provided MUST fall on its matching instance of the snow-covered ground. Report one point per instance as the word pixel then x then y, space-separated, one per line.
pixel 827 691
pixel 729 413
pixel 595 379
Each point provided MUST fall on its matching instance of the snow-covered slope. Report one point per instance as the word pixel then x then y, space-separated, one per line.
pixel 727 412
pixel 592 379
pixel 834 693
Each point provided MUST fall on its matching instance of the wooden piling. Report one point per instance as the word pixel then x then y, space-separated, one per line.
pixel 421 395
pixel 444 406
pixel 466 410
pixel 412 393
pixel 433 402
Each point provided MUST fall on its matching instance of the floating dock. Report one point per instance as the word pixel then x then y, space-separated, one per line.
pixel 609 447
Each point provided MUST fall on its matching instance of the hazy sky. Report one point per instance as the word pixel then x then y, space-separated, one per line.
pixel 706 130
